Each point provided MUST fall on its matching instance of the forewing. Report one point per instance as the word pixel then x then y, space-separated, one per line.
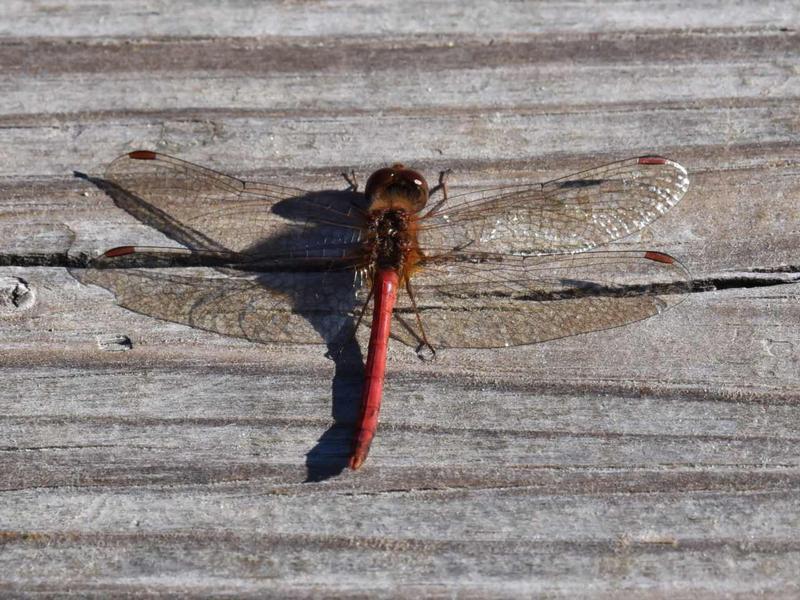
pixel 490 301
pixel 570 214
pixel 204 209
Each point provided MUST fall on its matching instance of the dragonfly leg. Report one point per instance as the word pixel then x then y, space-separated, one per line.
pixel 352 187
pixel 351 180
pixel 425 342
pixel 441 186
pixel 361 313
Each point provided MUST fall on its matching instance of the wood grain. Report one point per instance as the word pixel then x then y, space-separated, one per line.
pixel 141 457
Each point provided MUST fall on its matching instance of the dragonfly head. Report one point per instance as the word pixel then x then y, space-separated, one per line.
pixel 396 187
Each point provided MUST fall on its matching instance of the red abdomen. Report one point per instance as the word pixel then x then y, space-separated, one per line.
pixel 385 286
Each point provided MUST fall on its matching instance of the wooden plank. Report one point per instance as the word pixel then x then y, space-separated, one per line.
pixel 355 18
pixel 141 456
pixel 363 74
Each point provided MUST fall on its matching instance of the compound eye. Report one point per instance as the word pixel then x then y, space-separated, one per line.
pixel 415 188
pixel 379 180
pixel 415 179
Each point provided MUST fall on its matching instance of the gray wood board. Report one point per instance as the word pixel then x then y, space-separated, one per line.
pixel 139 456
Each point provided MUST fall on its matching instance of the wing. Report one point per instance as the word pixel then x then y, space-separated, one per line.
pixel 571 214
pixel 488 300
pixel 468 294
pixel 207 210
pixel 265 262
pixel 297 307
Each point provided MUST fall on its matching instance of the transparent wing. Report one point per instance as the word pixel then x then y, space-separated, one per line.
pixel 490 301
pixel 265 262
pixel 570 214
pixel 285 307
pixel 207 210
pixel 476 288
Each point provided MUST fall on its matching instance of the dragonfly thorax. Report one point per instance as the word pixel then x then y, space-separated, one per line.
pixel 389 240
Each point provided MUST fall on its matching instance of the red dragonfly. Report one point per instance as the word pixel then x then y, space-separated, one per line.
pixel 500 267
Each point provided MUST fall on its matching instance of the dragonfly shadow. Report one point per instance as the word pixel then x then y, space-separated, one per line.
pixel 255 296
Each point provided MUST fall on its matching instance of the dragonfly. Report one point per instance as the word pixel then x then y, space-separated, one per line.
pixel 507 266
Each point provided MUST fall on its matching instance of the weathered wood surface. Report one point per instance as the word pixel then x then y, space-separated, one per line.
pixel 661 459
